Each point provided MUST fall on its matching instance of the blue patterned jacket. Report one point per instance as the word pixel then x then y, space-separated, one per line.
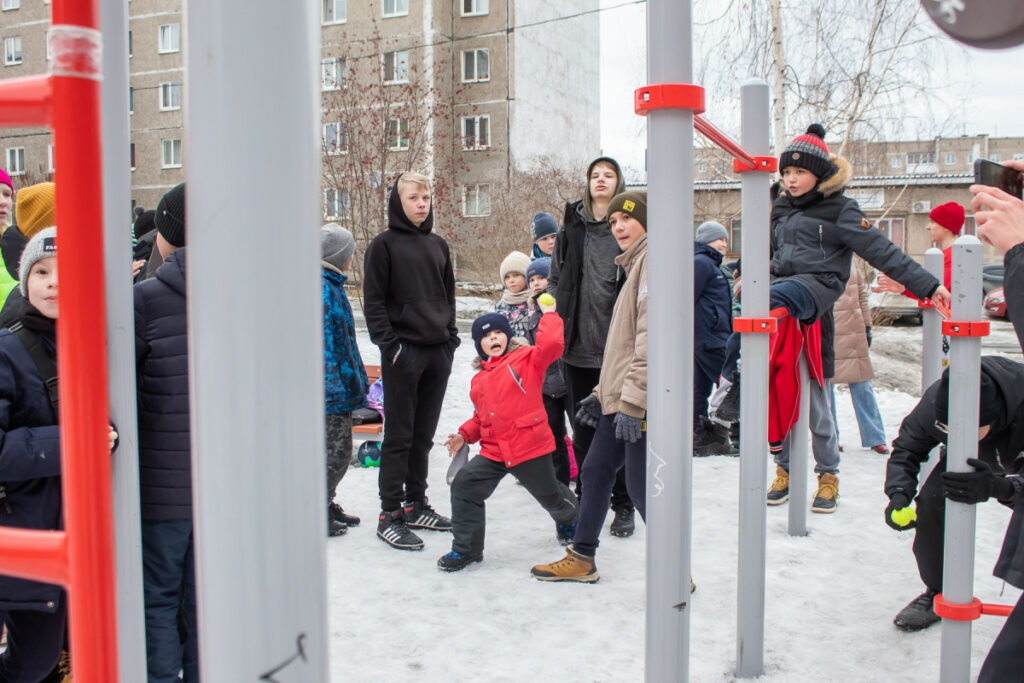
pixel 344 375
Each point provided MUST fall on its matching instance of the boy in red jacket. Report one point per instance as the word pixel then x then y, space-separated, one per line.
pixel 511 425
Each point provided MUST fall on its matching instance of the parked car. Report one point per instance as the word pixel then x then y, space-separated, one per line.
pixel 887 307
pixel 991 276
pixel 995 303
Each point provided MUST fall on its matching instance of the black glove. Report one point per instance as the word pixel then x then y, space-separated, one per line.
pixel 867 333
pixel 589 411
pixel 628 428
pixel 977 486
pixel 898 502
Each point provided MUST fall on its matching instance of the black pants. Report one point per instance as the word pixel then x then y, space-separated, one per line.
pixel 607 456
pixel 581 383
pixel 338 438
pixel 1004 661
pixel 707 366
pixel 476 482
pixel 34 642
pixel 929 536
pixel 556 408
pixel 413 391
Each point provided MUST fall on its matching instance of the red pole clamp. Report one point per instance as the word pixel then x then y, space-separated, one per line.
pixel 976 328
pixel 668 96
pixel 930 303
pixel 763 164
pixel 969 612
pixel 761 325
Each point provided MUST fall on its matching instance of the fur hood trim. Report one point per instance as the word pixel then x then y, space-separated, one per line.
pixel 514 344
pixel 838 181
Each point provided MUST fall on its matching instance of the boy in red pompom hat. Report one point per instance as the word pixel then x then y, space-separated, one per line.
pixel 944 225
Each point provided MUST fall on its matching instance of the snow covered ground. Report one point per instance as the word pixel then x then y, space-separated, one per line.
pixel 831 595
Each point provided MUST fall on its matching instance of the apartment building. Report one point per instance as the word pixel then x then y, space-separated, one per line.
pixel 465 90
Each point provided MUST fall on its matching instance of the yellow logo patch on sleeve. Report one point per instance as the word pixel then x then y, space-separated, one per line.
pixel 628 205
pixel 864 224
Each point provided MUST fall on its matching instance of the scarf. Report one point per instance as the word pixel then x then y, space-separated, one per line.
pixel 516 298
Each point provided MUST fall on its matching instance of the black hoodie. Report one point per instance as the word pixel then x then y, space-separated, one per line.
pixel 408 284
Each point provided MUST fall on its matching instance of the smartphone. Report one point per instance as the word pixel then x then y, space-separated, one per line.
pixel 996 175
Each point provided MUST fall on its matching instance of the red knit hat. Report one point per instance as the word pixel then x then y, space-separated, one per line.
pixel 950 215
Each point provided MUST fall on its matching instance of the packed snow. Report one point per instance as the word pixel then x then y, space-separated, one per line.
pixel 830 600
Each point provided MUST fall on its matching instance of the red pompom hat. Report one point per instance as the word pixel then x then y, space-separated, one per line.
pixel 950 215
pixel 808 151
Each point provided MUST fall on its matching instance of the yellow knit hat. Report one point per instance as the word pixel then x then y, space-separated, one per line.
pixel 33 208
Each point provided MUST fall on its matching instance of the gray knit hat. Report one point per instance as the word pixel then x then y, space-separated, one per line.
pixel 709 231
pixel 808 151
pixel 336 245
pixel 43 245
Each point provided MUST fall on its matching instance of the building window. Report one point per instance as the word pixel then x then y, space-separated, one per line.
pixel 396 66
pixel 995 157
pixel 896 162
pixel 476 200
pixel 398 134
pixel 476 132
pixel 170 96
pixel 10 4
pixel 129 44
pixel 396 8
pixel 472 8
pixel 49 157
pixel 1018 156
pixel 131 152
pixel 171 156
pixel 332 74
pixel 335 140
pixel 893 229
pixel 735 232
pixel 170 38
pixel 131 100
pixel 335 11
pixel 337 203
pixel 476 66
pixel 915 158
pixel 12 51
pixel 15 161
pixel 702 167
pixel 950 158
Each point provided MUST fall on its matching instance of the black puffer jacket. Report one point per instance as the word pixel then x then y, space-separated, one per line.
pixel 409 284
pixel 29 463
pixel 161 350
pixel 814 237
pixel 919 435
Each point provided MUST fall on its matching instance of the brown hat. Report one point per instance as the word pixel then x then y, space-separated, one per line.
pixel 633 203
pixel 33 209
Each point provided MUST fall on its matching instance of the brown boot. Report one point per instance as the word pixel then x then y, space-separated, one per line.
pixel 826 498
pixel 778 492
pixel 572 567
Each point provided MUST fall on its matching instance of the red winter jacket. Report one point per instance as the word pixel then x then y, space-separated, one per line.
pixel 784 373
pixel 509 419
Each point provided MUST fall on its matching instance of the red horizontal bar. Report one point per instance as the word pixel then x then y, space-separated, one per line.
pixel 996 610
pixel 26 102
pixel 34 554
pixel 708 130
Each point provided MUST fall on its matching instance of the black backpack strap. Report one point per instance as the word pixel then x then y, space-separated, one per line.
pixel 44 364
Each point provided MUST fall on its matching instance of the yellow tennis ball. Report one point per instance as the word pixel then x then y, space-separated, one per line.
pixel 904 516
pixel 546 299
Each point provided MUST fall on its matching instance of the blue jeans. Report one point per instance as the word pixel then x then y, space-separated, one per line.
pixel 169 586
pixel 869 420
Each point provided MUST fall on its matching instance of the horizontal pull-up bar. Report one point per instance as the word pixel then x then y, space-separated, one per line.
pixel 34 554
pixel 26 102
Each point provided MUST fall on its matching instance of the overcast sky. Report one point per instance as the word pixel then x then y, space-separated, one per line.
pixel 989 91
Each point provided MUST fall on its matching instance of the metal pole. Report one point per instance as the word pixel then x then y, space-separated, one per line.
pixel 964 374
pixel 799 451
pixel 131 628
pixel 931 355
pixel 670 371
pixel 256 380
pixel 754 388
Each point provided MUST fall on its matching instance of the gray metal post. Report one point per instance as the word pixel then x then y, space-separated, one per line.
pixel 252 166
pixel 131 631
pixel 754 388
pixel 931 349
pixel 670 349
pixel 964 369
pixel 799 452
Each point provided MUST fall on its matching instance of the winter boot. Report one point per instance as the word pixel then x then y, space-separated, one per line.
pixel 729 410
pixel 340 515
pixel 565 532
pixel 734 435
pixel 826 498
pixel 919 614
pixel 334 527
pixel 778 492
pixel 572 567
pixel 422 516
pixel 454 561
pixel 711 439
pixel 623 525
pixel 391 529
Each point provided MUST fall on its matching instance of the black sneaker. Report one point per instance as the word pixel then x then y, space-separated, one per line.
pixel 919 614
pixel 337 513
pixel 711 439
pixel 334 527
pixel 391 529
pixel 422 516
pixel 623 524
pixel 565 532
pixel 729 410
pixel 453 561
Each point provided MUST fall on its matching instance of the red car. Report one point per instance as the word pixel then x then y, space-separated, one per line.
pixel 995 303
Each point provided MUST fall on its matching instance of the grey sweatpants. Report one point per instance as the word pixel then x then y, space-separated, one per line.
pixel 339 450
pixel 824 444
